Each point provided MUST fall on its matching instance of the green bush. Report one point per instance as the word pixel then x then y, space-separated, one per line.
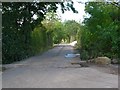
pixel 39 40
pixel 84 55
pixel 99 35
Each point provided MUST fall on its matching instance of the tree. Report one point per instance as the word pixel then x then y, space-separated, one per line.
pixel 54 27
pixel 71 28
pixel 18 24
pixel 58 34
pixel 102 27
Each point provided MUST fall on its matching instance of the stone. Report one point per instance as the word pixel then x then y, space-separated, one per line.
pixel 103 60
pixel 81 63
pixel 114 61
pixel 90 61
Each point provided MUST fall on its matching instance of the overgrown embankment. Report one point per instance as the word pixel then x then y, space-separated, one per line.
pixel 100 34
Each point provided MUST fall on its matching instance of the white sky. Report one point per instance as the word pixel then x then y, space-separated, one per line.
pixel 69 15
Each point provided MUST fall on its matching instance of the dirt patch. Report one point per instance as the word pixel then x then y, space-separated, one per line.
pixel 111 69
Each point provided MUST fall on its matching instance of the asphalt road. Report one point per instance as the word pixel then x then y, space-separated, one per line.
pixel 53 70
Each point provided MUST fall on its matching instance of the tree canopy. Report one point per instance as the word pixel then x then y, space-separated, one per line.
pixel 100 33
pixel 20 29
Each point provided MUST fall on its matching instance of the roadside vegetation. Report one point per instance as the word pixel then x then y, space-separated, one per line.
pixel 100 34
pixel 24 36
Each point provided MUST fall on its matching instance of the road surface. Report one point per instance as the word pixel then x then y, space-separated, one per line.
pixel 53 70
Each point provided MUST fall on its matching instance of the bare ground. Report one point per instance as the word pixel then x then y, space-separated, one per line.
pixel 53 70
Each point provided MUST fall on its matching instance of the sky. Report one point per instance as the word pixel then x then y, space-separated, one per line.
pixel 69 15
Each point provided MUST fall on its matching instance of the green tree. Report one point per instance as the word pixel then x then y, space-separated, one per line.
pixel 54 27
pixel 18 24
pixel 101 32
pixel 71 29
pixel 58 34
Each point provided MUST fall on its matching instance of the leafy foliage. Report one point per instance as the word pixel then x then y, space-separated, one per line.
pixel 71 29
pixel 58 34
pixel 18 23
pixel 100 33
pixel 23 35
pixel 54 27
